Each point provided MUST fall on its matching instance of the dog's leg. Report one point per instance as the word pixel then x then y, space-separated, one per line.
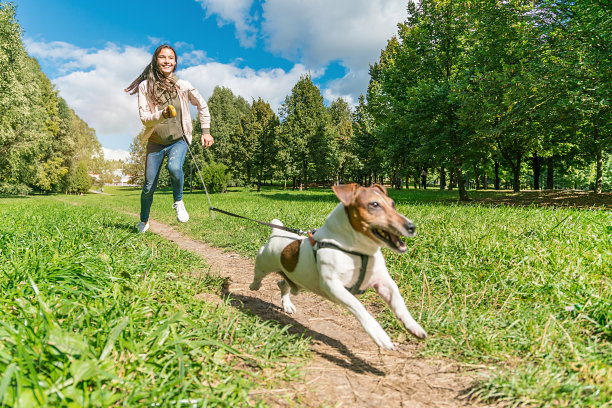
pixel 257 278
pixel 337 293
pixel 389 292
pixel 284 287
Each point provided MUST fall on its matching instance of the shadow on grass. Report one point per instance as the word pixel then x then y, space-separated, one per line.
pixel 269 311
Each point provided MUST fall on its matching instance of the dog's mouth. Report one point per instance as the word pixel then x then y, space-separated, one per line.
pixel 393 241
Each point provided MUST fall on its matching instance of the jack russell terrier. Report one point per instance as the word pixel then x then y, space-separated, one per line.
pixel 343 257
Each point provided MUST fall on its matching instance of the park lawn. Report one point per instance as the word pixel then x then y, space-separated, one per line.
pixel 96 315
pixel 526 291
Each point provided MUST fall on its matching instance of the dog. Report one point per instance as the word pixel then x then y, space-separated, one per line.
pixel 343 258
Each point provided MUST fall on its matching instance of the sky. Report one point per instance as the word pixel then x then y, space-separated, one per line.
pixel 92 50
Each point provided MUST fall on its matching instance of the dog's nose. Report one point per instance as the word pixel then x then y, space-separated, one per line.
pixel 410 228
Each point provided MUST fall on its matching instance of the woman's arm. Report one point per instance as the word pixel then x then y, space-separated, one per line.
pixel 196 100
pixel 147 117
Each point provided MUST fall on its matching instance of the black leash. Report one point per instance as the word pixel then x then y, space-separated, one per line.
pixel 280 227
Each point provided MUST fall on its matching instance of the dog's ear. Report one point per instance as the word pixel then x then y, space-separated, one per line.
pixel 345 192
pixel 380 187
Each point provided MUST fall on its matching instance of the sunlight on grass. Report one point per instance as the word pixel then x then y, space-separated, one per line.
pixel 525 290
pixel 94 314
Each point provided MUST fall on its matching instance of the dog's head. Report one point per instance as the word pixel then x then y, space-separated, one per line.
pixel 372 212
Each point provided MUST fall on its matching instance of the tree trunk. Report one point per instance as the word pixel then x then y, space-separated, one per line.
pixel 516 171
pixel 496 182
pixel 461 184
pixel 537 170
pixel 451 181
pixel 442 178
pixel 550 173
pixel 259 176
pixel 599 171
pixel 476 178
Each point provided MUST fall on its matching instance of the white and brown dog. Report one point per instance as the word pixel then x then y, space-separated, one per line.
pixel 343 258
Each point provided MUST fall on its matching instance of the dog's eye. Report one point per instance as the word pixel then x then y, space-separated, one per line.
pixel 374 205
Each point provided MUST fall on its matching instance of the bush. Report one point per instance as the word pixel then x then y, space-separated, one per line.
pixel 14 189
pixel 216 177
pixel 78 180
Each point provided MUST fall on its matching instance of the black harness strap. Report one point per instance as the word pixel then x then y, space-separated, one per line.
pixel 362 271
pixel 280 227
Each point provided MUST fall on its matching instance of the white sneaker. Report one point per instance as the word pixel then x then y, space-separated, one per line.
pixel 142 227
pixel 181 212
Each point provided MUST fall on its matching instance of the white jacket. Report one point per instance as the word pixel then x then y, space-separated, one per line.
pixel 151 116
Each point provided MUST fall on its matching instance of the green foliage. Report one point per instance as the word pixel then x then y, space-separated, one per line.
pixel 468 85
pixel 226 111
pixel 215 175
pixel 78 180
pixel 14 189
pixel 253 143
pixel 40 137
pixel 305 144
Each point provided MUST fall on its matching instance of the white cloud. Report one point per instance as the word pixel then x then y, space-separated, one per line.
pixel 317 32
pixel 95 86
pixel 237 12
pixel 320 31
pixel 272 85
pixel 116 154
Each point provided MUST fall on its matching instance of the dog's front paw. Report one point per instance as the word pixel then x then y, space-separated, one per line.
pixel 417 331
pixel 255 286
pixel 383 340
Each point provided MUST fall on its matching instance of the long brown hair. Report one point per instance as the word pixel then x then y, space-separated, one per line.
pixel 156 81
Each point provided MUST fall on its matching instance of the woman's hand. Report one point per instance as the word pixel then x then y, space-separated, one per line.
pixel 207 140
pixel 169 112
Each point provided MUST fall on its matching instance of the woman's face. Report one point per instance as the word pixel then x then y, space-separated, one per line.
pixel 166 61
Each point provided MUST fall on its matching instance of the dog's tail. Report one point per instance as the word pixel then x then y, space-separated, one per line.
pixel 276 232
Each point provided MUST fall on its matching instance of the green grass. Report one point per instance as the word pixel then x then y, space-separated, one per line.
pixel 96 315
pixel 526 291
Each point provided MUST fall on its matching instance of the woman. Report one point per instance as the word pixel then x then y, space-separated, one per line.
pixel 164 111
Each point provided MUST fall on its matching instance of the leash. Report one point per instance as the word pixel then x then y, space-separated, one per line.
pixel 211 209
pixel 280 227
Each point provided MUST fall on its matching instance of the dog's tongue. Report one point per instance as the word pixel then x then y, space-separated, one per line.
pixel 399 244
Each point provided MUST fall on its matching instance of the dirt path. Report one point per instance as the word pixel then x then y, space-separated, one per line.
pixel 347 370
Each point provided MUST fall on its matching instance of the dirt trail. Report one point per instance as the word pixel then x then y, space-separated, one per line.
pixel 348 370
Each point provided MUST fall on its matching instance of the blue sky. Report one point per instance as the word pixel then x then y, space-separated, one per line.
pixel 91 50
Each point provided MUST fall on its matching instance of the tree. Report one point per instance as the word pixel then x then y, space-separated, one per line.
pixel 253 143
pixel 342 134
pixel 304 141
pixel 266 127
pixel 413 90
pixel 79 181
pixel 226 110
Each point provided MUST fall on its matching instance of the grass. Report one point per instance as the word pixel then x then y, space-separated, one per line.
pixel 524 290
pixel 95 315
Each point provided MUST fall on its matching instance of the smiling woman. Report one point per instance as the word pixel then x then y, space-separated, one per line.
pixel 164 111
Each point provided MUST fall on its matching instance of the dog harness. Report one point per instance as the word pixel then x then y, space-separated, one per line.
pixel 316 245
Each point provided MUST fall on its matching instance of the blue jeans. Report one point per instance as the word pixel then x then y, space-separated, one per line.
pixel 155 157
